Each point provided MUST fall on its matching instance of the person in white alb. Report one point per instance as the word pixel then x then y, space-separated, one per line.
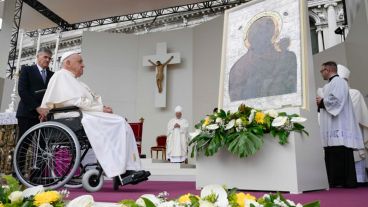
pixel 177 137
pixel 111 137
pixel 361 115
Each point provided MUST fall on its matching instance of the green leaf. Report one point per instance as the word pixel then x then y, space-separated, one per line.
pixel 222 114
pixel 282 114
pixel 3 196
pixel 148 202
pixel 192 152
pixel 214 145
pixel 12 183
pixel 231 196
pixel 27 204
pixel 129 203
pixel 297 126
pixel 212 198
pixel 194 201
pixel 305 132
pixel 283 136
pixel 245 144
pixel 312 204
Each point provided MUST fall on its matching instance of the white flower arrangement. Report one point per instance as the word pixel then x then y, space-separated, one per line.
pixel 215 196
pixel 11 195
pixel 241 132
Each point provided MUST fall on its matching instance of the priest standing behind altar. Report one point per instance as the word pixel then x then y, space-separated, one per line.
pixel 361 115
pixel 340 131
pixel 177 137
pixel 111 137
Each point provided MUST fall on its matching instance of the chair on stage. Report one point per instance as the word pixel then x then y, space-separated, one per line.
pixel 137 128
pixel 160 147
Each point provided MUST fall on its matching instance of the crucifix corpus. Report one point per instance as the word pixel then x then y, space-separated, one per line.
pixel 160 61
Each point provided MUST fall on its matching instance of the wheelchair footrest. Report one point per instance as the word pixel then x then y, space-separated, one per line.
pixel 136 177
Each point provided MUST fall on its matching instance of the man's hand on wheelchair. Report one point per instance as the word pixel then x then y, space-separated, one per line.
pixel 42 113
pixel 107 109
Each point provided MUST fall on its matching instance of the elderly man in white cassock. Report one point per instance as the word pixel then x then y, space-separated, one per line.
pixel 340 131
pixel 361 115
pixel 177 137
pixel 111 137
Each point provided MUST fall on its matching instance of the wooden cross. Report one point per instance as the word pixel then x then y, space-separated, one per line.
pixel 160 61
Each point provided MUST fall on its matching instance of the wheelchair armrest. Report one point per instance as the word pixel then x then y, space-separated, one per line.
pixel 53 112
pixel 64 109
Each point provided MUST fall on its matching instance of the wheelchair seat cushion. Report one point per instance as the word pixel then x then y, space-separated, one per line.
pixel 74 123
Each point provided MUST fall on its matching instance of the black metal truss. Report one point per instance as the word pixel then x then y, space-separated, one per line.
pixel 211 5
pixel 14 37
pixel 42 9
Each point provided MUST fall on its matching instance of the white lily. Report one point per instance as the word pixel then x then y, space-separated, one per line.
pixel 230 125
pixel 239 122
pixel 168 204
pixel 33 191
pixel 5 187
pixel 272 113
pixel 298 119
pixel 150 197
pixel 279 121
pixel 219 191
pixel 219 120
pixel 251 116
pixel 290 202
pixel 16 196
pixel 280 203
pixel 195 133
pixel 212 127
pixel 82 201
pixel 266 196
pixel 46 205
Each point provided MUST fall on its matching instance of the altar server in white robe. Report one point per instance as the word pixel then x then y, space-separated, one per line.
pixel 361 115
pixel 111 137
pixel 177 137
pixel 340 131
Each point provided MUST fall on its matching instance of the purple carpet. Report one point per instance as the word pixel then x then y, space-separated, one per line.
pixel 335 197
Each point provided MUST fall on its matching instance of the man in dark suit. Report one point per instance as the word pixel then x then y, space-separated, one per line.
pixel 32 84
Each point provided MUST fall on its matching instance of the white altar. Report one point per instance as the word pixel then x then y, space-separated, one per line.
pixel 294 167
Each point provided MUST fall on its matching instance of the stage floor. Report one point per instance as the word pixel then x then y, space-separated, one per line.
pixel 334 197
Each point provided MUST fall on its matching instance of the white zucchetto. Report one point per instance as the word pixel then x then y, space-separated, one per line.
pixel 343 71
pixel 66 55
pixel 178 109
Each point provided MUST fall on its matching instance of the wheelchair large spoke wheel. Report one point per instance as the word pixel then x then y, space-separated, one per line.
pixel 48 154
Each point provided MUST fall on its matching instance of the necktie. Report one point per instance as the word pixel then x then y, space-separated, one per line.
pixel 43 73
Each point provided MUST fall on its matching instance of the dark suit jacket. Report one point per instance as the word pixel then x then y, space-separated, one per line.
pixel 30 81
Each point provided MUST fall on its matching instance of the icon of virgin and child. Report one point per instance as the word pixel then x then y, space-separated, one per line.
pixel 268 68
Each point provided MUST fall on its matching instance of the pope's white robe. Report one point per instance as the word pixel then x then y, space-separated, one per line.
pixel 111 137
pixel 338 124
pixel 361 115
pixel 177 140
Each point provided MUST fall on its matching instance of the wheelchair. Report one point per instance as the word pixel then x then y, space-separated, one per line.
pixel 51 154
